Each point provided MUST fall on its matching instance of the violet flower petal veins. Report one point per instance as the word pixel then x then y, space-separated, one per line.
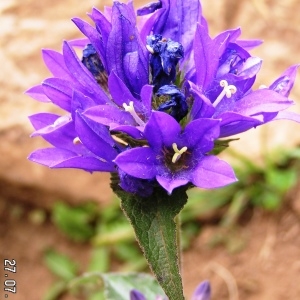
pixel 61 158
pixel 56 64
pixel 139 162
pixel 161 130
pixel 59 91
pixel 124 44
pixel 206 58
pixel 212 173
pixel 37 92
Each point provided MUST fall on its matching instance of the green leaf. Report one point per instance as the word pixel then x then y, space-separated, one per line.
pixel 271 200
pixel 75 222
pixel 221 145
pixel 97 296
pixel 55 291
pixel 153 221
pixel 281 180
pixel 118 286
pixel 99 260
pixel 60 264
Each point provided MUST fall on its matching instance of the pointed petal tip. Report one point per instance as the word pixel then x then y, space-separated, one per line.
pixel 203 291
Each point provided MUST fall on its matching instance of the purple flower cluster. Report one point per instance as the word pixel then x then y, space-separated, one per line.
pixel 147 100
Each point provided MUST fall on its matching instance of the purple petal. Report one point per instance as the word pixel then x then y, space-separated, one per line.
pixel 61 158
pixel 79 43
pixel 95 137
pixel 109 115
pixel 94 38
pixel 81 102
pixel 149 23
pixel 206 57
pixel 45 123
pixel 212 173
pixel 138 162
pixel 202 292
pixel 102 24
pixel 200 134
pixel 161 130
pixel 233 123
pixel 222 40
pixel 90 164
pixel 285 82
pixel 146 97
pixel 81 75
pixel 119 91
pixel 250 68
pixel 259 101
pixel 37 93
pixel 126 54
pixel 56 64
pixel 288 115
pixel 149 8
pixel 58 131
pixel 249 44
pixel 169 183
pixel 59 91
pixel 202 107
pixel 178 22
pixel 130 130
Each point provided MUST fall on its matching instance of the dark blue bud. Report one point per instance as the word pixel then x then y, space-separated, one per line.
pixel 92 62
pixel 165 55
pixel 176 105
pixel 149 8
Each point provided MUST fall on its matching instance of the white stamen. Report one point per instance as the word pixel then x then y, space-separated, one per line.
pixel 177 153
pixel 129 108
pixel 228 90
pixel 77 141
pixel 150 49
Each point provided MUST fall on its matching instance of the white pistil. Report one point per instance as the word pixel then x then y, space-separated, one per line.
pixel 177 153
pixel 129 108
pixel 228 90
pixel 77 141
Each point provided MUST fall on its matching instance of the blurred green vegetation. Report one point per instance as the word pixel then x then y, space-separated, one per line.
pixel 261 186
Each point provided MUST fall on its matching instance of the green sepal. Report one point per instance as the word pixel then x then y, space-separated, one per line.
pixel 152 219
pixel 221 145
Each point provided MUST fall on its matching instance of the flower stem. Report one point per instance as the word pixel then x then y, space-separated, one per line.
pixel 178 238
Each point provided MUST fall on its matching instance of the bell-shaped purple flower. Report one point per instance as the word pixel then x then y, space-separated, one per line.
pixel 222 82
pixel 175 158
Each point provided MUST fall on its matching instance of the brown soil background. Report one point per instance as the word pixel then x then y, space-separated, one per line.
pixel 267 268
